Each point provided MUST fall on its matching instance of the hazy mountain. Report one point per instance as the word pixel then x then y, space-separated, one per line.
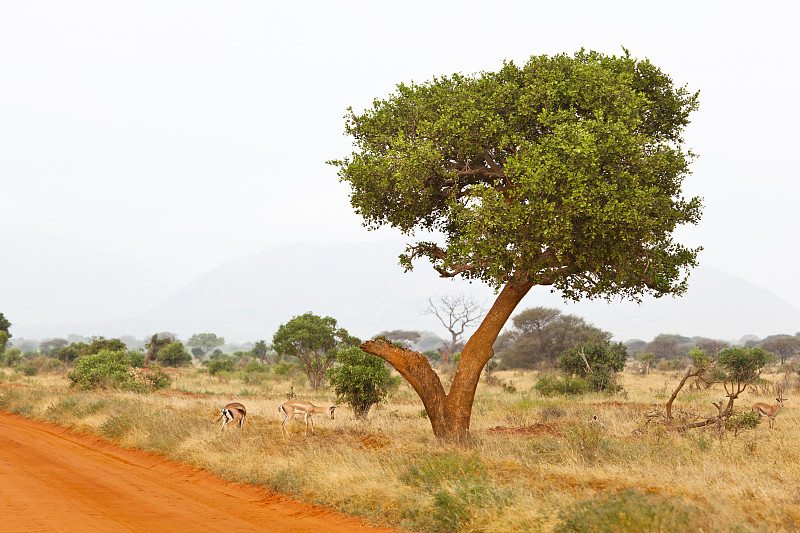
pixel 364 288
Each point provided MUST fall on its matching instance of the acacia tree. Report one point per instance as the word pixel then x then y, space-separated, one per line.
pixel 784 346
pixel 565 172
pixel 260 350
pixel 204 342
pixel 314 341
pixel 541 335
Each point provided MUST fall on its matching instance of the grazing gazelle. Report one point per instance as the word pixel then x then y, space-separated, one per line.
pixel 771 411
pixel 293 407
pixel 233 411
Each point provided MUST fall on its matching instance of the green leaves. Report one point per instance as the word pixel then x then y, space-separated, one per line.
pixel 566 171
pixel 361 380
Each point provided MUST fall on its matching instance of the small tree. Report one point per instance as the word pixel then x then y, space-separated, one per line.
pixel 102 370
pixel 784 346
pixel 646 358
pixel 174 354
pixel 361 380
pixel 68 354
pixel 205 342
pixel 735 367
pixel 3 341
pixel 51 346
pixel 158 342
pixel 12 357
pixel 595 362
pixel 260 350
pixel 541 335
pixel 314 341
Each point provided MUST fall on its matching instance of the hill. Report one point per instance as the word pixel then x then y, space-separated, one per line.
pixel 365 289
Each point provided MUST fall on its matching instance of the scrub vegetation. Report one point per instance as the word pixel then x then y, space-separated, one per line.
pixel 583 461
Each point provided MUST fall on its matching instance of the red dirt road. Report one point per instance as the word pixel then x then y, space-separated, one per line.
pixel 55 480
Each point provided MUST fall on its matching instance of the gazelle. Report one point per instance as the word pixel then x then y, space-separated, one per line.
pixel 771 411
pixel 293 407
pixel 233 412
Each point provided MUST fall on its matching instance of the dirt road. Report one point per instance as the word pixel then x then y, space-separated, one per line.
pixel 54 480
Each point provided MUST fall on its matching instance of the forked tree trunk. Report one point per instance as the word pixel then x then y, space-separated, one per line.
pixel 449 413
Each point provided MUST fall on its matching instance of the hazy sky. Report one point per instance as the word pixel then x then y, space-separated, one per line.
pixel 197 132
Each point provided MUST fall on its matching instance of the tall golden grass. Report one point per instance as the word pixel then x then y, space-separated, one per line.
pixel 535 463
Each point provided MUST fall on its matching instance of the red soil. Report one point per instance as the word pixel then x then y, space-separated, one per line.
pixel 54 480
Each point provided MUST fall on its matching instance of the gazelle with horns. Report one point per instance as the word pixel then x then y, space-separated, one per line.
pixel 293 407
pixel 771 411
pixel 233 412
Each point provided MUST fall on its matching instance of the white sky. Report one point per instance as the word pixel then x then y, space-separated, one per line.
pixel 197 132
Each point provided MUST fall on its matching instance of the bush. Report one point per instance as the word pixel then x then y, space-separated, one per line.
pixel 216 366
pixel 174 354
pixel 743 419
pixel 146 380
pixel 550 385
pixel 361 380
pixel 604 361
pixel 110 369
pixel 11 357
pixel 68 354
pixel 255 366
pixel 285 369
pixel 136 359
pixel 103 370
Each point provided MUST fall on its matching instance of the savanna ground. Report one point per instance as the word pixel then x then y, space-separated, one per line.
pixel 535 463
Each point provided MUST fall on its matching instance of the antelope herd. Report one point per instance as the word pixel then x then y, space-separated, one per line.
pixel 236 412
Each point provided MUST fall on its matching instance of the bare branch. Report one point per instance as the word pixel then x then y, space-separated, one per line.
pixel 455 313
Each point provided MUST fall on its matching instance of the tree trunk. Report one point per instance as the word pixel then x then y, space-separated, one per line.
pixel 150 352
pixel 449 413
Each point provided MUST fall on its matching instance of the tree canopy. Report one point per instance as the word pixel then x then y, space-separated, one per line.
pixel 204 342
pixel 541 335
pixel 361 380
pixel 314 341
pixel 5 325
pixel 565 171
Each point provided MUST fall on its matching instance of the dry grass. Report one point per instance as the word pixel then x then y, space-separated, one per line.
pixel 536 463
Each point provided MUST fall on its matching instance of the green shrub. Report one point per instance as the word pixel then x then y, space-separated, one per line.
pixel 217 366
pixel 285 369
pixel 174 354
pixel 550 385
pixel 255 366
pixel 136 359
pixel 361 380
pixel 29 369
pixel 743 419
pixel 12 357
pixel 146 380
pixel 109 369
pixel 103 370
pixel 603 359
